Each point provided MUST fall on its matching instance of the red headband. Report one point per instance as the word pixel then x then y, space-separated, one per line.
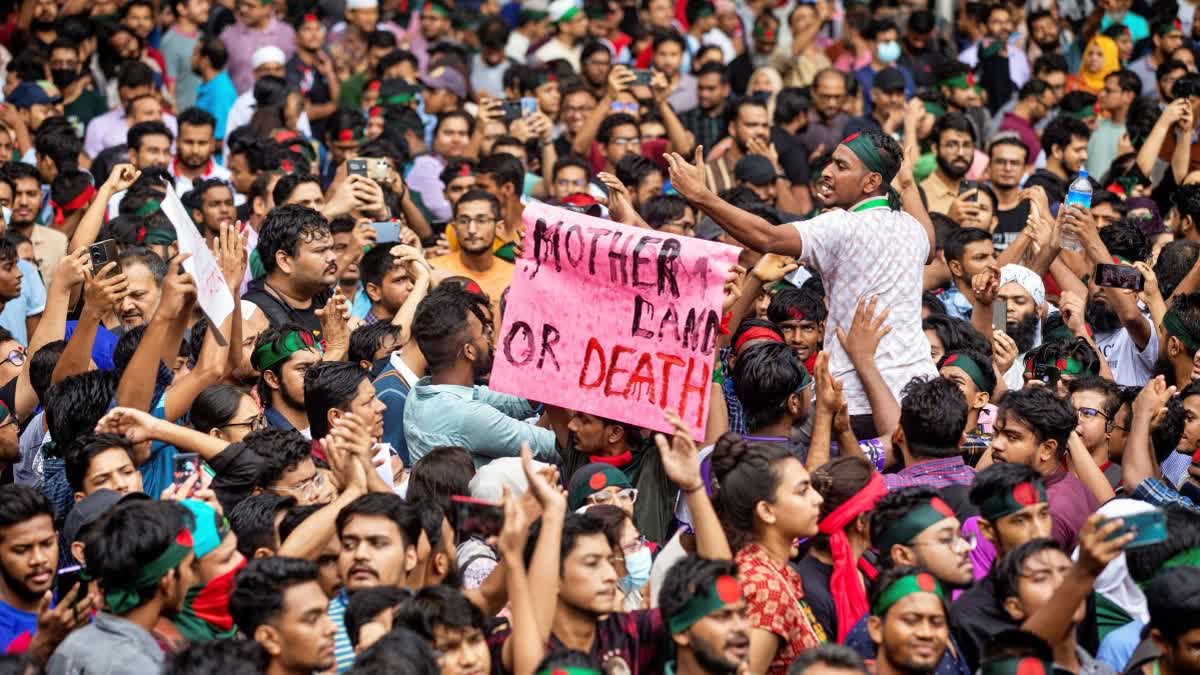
pixel 848 595
pixel 376 111
pixel 756 333
pixel 80 199
pixel 464 170
pixel 311 18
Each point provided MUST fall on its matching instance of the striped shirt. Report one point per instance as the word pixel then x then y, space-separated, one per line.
pixel 937 473
pixel 342 649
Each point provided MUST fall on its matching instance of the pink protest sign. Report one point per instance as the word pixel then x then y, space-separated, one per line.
pixel 617 321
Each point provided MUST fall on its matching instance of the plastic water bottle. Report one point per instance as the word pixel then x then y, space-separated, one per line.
pixel 1079 193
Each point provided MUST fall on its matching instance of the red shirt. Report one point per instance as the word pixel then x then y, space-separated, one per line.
pixel 775 602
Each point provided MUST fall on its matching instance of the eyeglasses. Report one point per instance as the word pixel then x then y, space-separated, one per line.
pixel 308 490
pixel 955 542
pixel 627 495
pixel 633 546
pixel 256 424
pixel 630 108
pixel 481 221
pixel 622 142
pixel 16 357
pixel 1089 413
pixel 578 183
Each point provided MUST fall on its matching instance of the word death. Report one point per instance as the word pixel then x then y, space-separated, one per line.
pixel 616 321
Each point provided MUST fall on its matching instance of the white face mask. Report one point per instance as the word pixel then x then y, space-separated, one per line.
pixel 637 570
pixel 888 52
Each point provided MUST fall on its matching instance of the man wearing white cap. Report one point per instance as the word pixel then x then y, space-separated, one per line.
pixel 267 61
pixel 571 28
pixel 256 27
pixel 1024 295
pixel 532 26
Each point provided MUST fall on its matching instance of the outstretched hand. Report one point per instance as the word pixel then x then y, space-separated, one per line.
pixel 688 177
pixel 680 458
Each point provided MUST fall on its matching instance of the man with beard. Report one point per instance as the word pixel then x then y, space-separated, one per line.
pixel 477 218
pixel 828 127
pixel 1007 158
pixel 282 355
pixel 28 557
pixel 1024 295
pixel 707 120
pixel 1032 427
pixel 1126 337
pixel 194 151
pixel 1065 143
pixel 1167 37
pixel 454 330
pixel 954 142
pixel 962 92
pixel 1182 326
pixel 702 603
pixel 858 182
pixel 908 621
pixel 1034 102
pixel 748 124
pixel 295 248
pixel 49 245
pixel 1120 90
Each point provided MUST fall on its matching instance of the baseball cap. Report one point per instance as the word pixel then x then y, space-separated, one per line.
pixel 755 169
pixel 89 509
pixel 268 54
pixel 889 79
pixel 446 78
pixel 29 94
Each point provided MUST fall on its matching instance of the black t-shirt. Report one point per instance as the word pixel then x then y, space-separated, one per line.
pixel 313 85
pixel 636 643
pixel 815 576
pixel 975 617
pixel 793 156
pixel 1009 225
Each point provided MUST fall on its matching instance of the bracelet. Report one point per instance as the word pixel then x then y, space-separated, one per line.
pixel 718 376
pixel 688 491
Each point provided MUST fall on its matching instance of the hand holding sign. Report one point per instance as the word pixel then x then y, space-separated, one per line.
pixel 209 287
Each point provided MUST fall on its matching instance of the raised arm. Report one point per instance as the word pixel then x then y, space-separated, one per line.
pixel 101 293
pixel 71 271
pixel 681 462
pixel 120 178
pixel 139 426
pixel 136 389
pixel 1138 463
pixel 861 342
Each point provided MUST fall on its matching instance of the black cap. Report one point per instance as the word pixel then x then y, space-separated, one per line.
pixel 89 509
pixel 755 169
pixel 921 22
pixel 889 79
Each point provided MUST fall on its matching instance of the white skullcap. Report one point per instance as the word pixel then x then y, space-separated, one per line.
pixel 268 54
pixel 1028 279
pixel 362 4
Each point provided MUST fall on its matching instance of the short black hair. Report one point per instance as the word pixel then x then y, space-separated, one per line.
pixel 955 246
pixel 366 339
pixel 662 209
pixel 797 304
pixel 282 450
pixel 328 385
pixel 610 123
pixel 253 521
pixel 130 537
pixel 61 148
pixel 506 168
pixel 258 590
pixel 633 169
pixel 1173 599
pixel 287 184
pixel 141 130
pixel 41 367
pixel 1049 63
pixel 953 121
pixel 1124 239
pixel 75 405
pixel 1105 386
pixel 82 450
pixel 1183 533
pixel 828 654
pixel 1004 139
pixel 1062 130
pixel 20 504
pixel 764 377
pixel 219 657
pixel 1009 569
pixel 366 603
pixel 479 195
pixel 442 473
pixel 1176 259
pixel 398 651
pixel 285 228
pixel 933 415
pixel 790 103
pixel 196 117
pixel 1048 416
pixel 999 479
pixel 434 606
pixel 440 324
pixel 384 505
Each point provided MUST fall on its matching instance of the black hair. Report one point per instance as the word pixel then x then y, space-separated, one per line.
pixel 754 323
pixel 662 209
pixel 82 450
pixel 328 385
pixel 285 228
pixel 75 405
pixel 1105 386
pixel 955 246
pixel 366 603
pixel 258 590
pixel 888 576
pixel 219 657
pixel 294 517
pixel 143 129
pixel 375 265
pixel 1019 644
pixel 933 304
pixel 837 481
pixel 688 577
pixel 479 195
pixel 719 69
pixel 1002 139
pixel 795 304
pixel 68 184
pixel 384 505
pixel 893 506
pixel 253 522
pixel 130 537
pixel 746 473
pixel 440 325
pixel 765 376
pixel 455 167
pixel 567 161
pixel 957 334
pixel 1034 88
pixel 435 606
pixel 1128 81
pixel 20 504
pixel 933 414
pixel 271 334
pixel 366 339
pixel 633 169
pixel 456 114
pixel 215 406
pixel 1048 416
pixel 61 148
pixel 288 183
pixel 1183 533
pixel 790 103
pixel 830 655
pixel 213 48
pixel 954 121
pixel 506 168
pixel 999 479
pixel 610 123
pixel 1049 63
pixel 196 117
pixel 1008 570
pixel 398 652
pixel 133 73
pixel 1172 597
pixel 1062 130
pixel 41 367
pixel 442 473
pixel 282 450
pixel 1124 239
pixel 1074 102
pixel 1186 198
pixel 989 374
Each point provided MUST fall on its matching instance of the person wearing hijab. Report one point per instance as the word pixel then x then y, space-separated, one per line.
pixel 1100 59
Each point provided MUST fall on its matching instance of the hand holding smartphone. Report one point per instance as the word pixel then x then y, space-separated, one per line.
pixel 185 465
pixel 1119 276
pixel 476 518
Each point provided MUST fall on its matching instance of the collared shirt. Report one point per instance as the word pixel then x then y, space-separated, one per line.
pixel 821 133
pixel 1070 505
pixel 1174 467
pixel 487 423
pixel 708 129
pixel 871 251
pixel 956 303
pixel 939 194
pixel 111 128
pixel 936 473
pixel 183 184
pixel 242 41
pixel 216 97
pixel 343 651
pixel 1154 491
pixel 775 602
pixel 110 645
pixel 1088 665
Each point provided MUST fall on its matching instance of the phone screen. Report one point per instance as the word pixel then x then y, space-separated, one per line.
pixel 185 465
pixel 1119 276
pixel 999 315
pixel 477 518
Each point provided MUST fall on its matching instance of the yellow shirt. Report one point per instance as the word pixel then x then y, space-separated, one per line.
pixel 493 282
pixel 939 195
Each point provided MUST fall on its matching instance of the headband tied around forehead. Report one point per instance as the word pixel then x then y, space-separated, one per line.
pixel 848 595
pixel 1021 495
pixel 125 595
pixel 921 582
pixel 1065 365
pixel 920 518
pixel 569 670
pixel 1175 328
pixel 961 81
pixel 271 353
pixel 967 365
pixel 151 207
pixel 724 591
pixel 756 333
pixel 1016 666
pixel 864 148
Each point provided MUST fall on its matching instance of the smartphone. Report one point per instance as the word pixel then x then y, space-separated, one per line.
pixel 999 315
pixel 66 579
pixel 1119 276
pixel 184 466
pixel 1150 528
pixel 357 166
pixel 529 106
pixel 477 518
pixel 968 186
pixel 386 231
pixel 642 76
pixel 102 253
pixel 512 110
pixel 378 169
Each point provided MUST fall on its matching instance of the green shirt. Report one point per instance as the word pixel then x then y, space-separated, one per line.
pixel 84 109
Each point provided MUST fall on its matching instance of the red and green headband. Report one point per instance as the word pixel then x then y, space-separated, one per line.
pixel 967 365
pixel 723 592
pixel 921 582
pixel 1167 27
pixel 961 81
pixel 123 596
pixel 1020 496
pixel 920 518
pixel 276 351
pixel 1066 365
pixel 1016 666
pixel 570 670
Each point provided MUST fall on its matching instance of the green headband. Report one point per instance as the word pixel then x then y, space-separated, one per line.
pixel 159 236
pixel 968 366
pixel 276 351
pixel 1016 666
pixel 439 9
pixel 1176 329
pixel 569 670
pixel 1065 366
pixel 922 582
pixel 724 591
pixel 568 15
pixel 916 521
pixel 865 150
pixel 960 81
pixel 1188 558
pixel 1168 27
pixel 125 597
pixel 151 207
pixel 1020 496
pixel 935 109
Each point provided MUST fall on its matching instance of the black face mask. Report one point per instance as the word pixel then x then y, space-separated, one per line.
pixel 63 76
pixel 42 26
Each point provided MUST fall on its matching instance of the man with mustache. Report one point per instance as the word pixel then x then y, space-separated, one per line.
pixel 954 141
pixel 702 603
pixel 828 127
pixel 477 218
pixel 296 250
pixel 749 123
pixel 908 622
pixel 278 603
pixel 1024 296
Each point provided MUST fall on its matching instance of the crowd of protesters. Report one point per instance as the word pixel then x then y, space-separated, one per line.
pixel 954 424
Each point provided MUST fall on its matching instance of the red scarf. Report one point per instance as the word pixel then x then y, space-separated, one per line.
pixel 212 603
pixel 613 460
pixel 848 595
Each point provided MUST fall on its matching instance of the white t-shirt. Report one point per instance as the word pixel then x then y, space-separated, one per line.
pixel 1130 367
pixel 871 250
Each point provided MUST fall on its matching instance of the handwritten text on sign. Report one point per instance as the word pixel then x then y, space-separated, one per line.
pixel 616 321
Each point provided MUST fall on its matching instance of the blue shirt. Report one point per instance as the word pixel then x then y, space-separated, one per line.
pixel 216 97
pixel 957 305
pixel 391 389
pixel 343 651
pixel 158 473
pixel 31 302
pixel 1119 645
pixel 102 346
pixel 14 623
pixel 866 78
